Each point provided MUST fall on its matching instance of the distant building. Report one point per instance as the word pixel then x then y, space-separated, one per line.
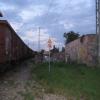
pixel 82 50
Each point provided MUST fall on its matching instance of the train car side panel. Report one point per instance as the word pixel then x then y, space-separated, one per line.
pixel 2 44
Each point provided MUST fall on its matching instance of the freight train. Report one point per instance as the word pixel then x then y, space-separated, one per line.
pixel 12 48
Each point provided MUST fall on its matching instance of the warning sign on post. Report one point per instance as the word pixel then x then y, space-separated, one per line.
pixel 49 43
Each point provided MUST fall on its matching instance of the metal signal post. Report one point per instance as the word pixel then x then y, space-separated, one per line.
pixel 49 46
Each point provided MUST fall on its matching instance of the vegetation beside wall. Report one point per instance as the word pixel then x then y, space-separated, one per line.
pixel 71 80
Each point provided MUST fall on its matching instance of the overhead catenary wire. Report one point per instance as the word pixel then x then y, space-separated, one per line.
pixel 50 5
pixel 48 11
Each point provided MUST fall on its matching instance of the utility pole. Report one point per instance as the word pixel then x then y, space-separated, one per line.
pixel 39 40
pixel 98 29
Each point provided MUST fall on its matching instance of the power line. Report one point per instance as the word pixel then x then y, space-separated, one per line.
pixel 48 11
pixel 49 7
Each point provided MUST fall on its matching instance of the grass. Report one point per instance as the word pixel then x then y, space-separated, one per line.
pixel 71 80
pixel 27 96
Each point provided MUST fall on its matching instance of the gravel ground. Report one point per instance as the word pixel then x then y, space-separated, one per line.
pixel 18 84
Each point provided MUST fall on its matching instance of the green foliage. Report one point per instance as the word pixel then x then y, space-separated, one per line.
pixel 71 36
pixel 1 15
pixel 63 49
pixel 72 80
pixel 54 50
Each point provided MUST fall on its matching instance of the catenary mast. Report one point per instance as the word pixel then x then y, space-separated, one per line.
pixel 98 28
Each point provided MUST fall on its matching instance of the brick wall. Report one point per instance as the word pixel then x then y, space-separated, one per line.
pixel 82 50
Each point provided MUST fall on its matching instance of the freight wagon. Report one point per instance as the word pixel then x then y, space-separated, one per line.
pixel 12 48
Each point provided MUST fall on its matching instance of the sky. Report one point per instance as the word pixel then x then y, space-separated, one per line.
pixel 54 17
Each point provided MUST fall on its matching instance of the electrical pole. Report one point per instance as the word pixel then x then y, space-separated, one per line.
pixel 98 29
pixel 39 40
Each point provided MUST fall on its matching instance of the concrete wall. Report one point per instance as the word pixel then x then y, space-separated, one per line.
pixel 58 57
pixel 82 50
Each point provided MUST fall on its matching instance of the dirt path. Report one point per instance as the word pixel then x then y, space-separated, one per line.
pixel 18 84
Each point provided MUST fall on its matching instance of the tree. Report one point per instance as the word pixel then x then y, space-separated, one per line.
pixel 63 49
pixel 42 51
pixel 71 36
pixel 1 15
pixel 54 50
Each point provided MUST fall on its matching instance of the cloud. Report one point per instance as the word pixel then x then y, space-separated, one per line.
pixel 32 36
pixel 62 16
pixel 66 24
pixel 4 6
pixel 16 26
pixel 31 12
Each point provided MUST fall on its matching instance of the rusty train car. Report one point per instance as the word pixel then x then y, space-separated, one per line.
pixel 12 48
